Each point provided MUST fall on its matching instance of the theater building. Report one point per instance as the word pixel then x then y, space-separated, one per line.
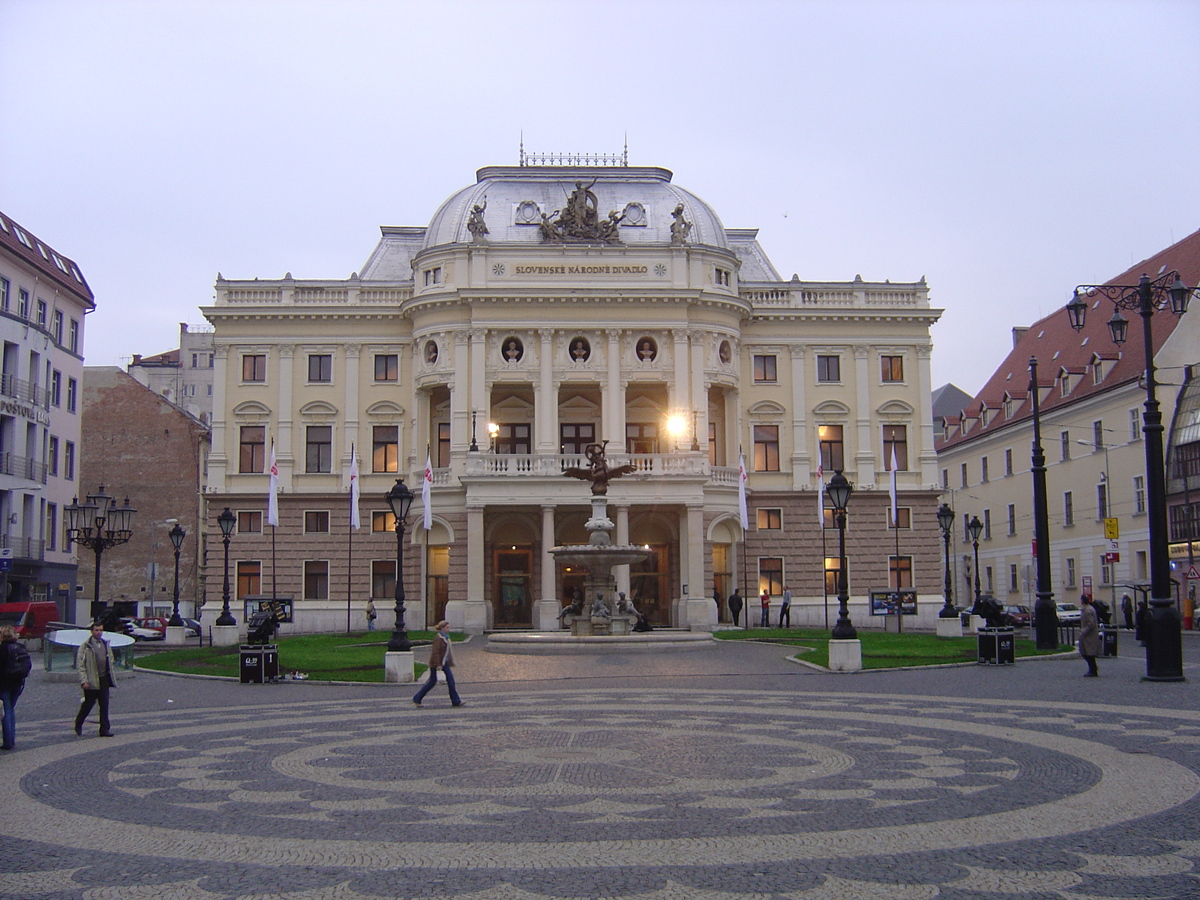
pixel 543 308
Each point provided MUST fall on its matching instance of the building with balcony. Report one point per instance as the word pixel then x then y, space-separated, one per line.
pixel 43 301
pixel 183 375
pixel 542 309
pixel 1091 398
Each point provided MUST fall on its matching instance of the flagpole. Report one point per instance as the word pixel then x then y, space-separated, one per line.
pixel 273 518
pixel 349 571
pixel 821 522
pixel 744 519
pixel 351 526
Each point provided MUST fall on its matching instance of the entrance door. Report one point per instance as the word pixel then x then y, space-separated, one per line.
pixel 511 599
pixel 649 586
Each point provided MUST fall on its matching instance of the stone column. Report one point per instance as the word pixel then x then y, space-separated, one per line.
pixel 613 427
pixel 548 607
pixel 470 615
pixel 460 426
pixel 864 453
pixel 478 401
pixel 801 443
pixel 621 573
pixel 350 415
pixel 546 408
pixel 926 456
pixel 285 456
pixel 218 460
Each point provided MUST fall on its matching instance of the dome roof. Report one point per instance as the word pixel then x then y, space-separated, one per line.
pixel 517 197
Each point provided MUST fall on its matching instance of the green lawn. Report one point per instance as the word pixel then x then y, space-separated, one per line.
pixel 322 657
pixel 881 650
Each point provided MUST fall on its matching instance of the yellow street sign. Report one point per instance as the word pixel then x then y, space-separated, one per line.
pixel 1112 530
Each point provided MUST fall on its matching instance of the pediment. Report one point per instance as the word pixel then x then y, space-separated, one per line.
pixel 895 408
pixel 385 409
pixel 766 408
pixel 318 408
pixel 833 408
pixel 251 409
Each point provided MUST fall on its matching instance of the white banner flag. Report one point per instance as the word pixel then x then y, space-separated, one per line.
pixel 426 490
pixel 742 493
pixel 892 490
pixel 273 490
pixel 354 517
pixel 821 493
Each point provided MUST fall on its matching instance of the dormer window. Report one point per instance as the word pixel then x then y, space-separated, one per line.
pixel 1064 384
pixel 433 276
pixel 1097 371
pixel 722 277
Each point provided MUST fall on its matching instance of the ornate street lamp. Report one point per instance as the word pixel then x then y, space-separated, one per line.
pixel 945 517
pixel 226 520
pixel 98 525
pixel 400 499
pixel 838 492
pixel 176 534
pixel 1164 636
pixel 1045 613
pixel 975 528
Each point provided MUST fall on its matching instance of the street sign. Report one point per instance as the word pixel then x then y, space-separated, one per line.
pixel 1193 574
pixel 1112 557
pixel 1112 530
pixel 1087 584
pixel 6 564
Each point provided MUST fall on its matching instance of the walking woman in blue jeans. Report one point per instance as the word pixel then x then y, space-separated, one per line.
pixel 441 656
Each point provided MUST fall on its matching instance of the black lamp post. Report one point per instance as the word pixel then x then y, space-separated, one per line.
pixel 945 517
pixel 1045 613
pixel 1164 636
pixel 838 491
pixel 176 534
pixel 975 528
pixel 98 525
pixel 474 448
pixel 695 431
pixel 226 520
pixel 400 499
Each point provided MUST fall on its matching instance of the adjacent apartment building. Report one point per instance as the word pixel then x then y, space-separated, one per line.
pixel 543 308
pixel 43 301
pixel 1091 396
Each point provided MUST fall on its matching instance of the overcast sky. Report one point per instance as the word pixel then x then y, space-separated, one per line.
pixel 1004 150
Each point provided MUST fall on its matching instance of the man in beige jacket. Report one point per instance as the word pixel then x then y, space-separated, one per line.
pixel 97 674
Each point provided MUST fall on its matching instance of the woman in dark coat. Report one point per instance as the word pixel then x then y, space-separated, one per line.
pixel 1142 621
pixel 735 605
pixel 1091 643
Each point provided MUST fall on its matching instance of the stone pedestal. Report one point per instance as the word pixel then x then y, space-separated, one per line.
pixel 845 656
pixel 699 614
pixel 949 627
pixel 467 616
pixel 226 635
pixel 176 634
pixel 398 667
pixel 977 622
pixel 546 615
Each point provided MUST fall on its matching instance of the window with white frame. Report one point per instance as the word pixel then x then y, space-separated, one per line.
pixel 1070 561
pixel 1135 424
pixel 1139 494
pixel 1012 519
pixel 1068 508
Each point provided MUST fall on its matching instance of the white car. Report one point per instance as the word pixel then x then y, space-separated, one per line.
pixel 1068 613
pixel 138 633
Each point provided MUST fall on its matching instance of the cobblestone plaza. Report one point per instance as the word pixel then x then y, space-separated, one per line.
pixel 728 772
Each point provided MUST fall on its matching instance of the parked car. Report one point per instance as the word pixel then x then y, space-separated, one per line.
pixel 191 628
pixel 1068 614
pixel 158 623
pixel 1019 616
pixel 137 632
pixel 29 618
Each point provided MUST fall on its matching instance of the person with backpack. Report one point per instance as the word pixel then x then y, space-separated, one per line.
pixel 97 674
pixel 15 666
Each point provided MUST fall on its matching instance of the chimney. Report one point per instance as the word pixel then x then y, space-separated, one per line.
pixel 1018 333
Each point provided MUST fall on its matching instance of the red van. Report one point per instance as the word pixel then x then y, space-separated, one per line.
pixel 30 618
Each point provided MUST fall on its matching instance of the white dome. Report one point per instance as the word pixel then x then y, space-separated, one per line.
pixel 518 196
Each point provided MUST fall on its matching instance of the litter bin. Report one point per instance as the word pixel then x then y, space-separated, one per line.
pixel 997 646
pixel 259 663
pixel 1109 635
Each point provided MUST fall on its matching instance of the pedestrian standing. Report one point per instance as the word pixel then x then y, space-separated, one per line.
pixel 15 667
pixel 785 608
pixel 1142 622
pixel 764 621
pixel 717 600
pixel 1127 611
pixel 735 605
pixel 1090 642
pixel 370 611
pixel 441 658
pixel 97 675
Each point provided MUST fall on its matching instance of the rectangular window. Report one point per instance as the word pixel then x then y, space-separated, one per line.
pixel 893 368
pixel 433 276
pixel 1135 424
pixel 945 479
pixel 1013 583
pixel 575 436
pixel 72 394
pixel 1102 501
pixel 641 438
pixel 1068 509
pixel 1105 572
pixel 253 442
pixel 4 286
pixel 987 524
pixel 249 579
pixel 320 368
pixel 69 461
pixel 1012 519
pixel 1008 470
pixel 1070 561
pixel 41 312
pixel 383 579
pixel 385 448
pixel 51 526
pixel 1185 522
pixel 56 387
pixel 764 368
pixel 387 367
pixel 73 336
pixel 23 303
pixel 316 580
pixel 254 367
pixel 57 328
pixel 52 456
pixel 383 521
pixel 1065 441
pixel 829 368
pixel 721 276
pixel 983 470
pixel 829 438
pixel 963 475
pixel 895 440
pixel 1139 494
pixel 770 519
pixel 903 516
pixel 316 521
pixel 832 567
pixel 318 448
pixel 766 448
pixel 249 521
pixel 987 579
pixel 770 575
pixel 513 438
pixel 443 445
pixel 900 569
pixel 1098 435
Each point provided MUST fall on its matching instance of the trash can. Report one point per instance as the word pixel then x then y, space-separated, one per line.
pixel 1109 635
pixel 997 646
pixel 259 663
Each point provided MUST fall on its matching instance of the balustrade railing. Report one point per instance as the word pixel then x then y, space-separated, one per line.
pixel 20 389
pixel 23 547
pixel 22 467
pixel 527 465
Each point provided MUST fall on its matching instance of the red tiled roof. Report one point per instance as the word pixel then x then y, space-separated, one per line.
pixel 1058 347
pixel 72 279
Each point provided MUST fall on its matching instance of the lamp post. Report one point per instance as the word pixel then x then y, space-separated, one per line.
pixel 1045 613
pixel 400 498
pixel 226 520
pixel 493 431
pixel 98 525
pixel 474 448
pixel 176 534
pixel 945 517
pixel 839 491
pixel 695 431
pixel 1164 636
pixel 975 528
